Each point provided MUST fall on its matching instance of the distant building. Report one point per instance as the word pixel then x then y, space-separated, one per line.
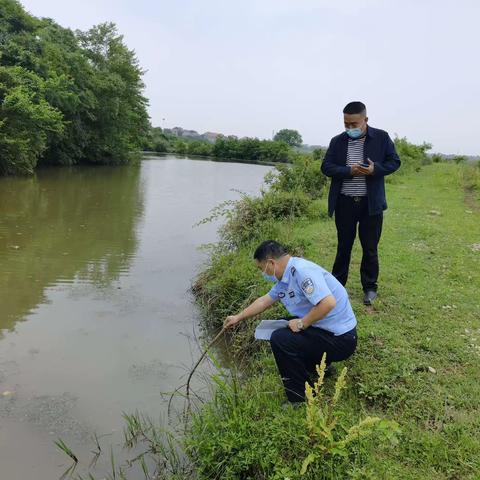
pixel 190 134
pixel 177 131
pixel 211 136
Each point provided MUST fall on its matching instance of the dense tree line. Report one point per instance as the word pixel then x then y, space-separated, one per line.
pixel 252 149
pixel 66 97
pixel 226 147
pixel 230 148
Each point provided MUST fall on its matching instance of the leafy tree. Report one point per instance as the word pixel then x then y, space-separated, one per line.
pixel 26 119
pixel 66 97
pixel 290 137
pixel 275 151
pixel 120 120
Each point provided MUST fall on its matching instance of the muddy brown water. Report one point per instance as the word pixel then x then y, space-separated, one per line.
pixel 96 317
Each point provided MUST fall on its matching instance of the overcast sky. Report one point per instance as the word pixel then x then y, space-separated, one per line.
pixel 250 67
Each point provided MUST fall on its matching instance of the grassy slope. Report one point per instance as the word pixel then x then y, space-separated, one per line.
pixel 428 315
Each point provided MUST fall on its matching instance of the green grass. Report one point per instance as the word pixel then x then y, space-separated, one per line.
pixel 472 183
pixel 417 363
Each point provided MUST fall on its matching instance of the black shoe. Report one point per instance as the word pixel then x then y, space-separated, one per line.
pixel 369 297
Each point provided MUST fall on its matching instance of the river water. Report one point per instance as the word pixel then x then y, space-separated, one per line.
pixel 96 317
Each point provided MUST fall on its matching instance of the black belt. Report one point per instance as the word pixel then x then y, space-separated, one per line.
pixel 355 198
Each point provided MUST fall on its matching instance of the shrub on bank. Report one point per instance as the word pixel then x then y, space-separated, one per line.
pixel 226 285
pixel 253 218
pixel 294 191
pixel 413 156
pixel 197 147
pixel 303 175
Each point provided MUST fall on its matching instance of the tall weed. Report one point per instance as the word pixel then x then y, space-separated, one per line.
pixel 328 438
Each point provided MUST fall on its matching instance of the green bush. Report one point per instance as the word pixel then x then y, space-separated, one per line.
pixel 160 146
pixel 319 154
pixel 413 156
pixel 197 147
pixel 157 141
pixel 180 147
pixel 303 174
pixel 254 217
pixel 459 159
pixel 227 284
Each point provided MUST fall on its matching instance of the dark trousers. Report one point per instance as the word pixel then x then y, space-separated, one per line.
pixel 349 212
pixel 297 354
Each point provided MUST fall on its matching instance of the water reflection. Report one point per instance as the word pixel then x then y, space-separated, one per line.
pixel 100 261
pixel 64 225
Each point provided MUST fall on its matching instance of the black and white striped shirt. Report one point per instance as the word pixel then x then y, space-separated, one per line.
pixel 355 186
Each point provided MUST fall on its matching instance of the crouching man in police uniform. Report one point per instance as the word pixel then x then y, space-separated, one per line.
pixel 325 324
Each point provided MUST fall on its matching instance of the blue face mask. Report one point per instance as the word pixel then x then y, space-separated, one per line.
pixel 270 278
pixel 354 132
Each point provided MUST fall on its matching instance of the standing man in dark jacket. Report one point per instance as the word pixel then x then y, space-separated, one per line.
pixel 357 160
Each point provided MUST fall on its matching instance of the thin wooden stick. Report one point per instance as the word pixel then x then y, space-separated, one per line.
pixel 202 356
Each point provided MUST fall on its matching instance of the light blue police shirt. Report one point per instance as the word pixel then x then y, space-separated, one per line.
pixel 304 284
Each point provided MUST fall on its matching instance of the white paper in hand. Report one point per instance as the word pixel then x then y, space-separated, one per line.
pixel 267 327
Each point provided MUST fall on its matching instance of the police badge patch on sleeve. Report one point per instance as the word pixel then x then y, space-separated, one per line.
pixel 308 286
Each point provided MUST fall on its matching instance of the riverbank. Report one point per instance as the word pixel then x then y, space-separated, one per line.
pixel 418 357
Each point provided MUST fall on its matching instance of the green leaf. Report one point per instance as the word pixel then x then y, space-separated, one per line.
pixel 308 460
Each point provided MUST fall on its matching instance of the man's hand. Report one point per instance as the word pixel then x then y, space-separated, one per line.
pixel 355 170
pixel 231 320
pixel 293 325
pixel 365 170
pixel 258 306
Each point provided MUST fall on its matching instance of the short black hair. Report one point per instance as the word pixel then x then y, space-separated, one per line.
pixel 354 107
pixel 269 249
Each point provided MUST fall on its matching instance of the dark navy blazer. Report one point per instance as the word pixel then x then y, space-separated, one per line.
pixel 380 149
